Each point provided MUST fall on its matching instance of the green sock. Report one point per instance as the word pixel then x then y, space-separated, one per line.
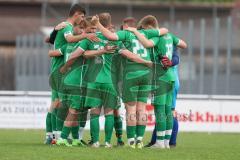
pixel 65 132
pixel 167 137
pixel 75 132
pixel 48 122
pixel 83 117
pixel 53 119
pixel 109 124
pixel 61 116
pixel 169 122
pixel 94 127
pixel 169 118
pixel 140 131
pixel 160 121
pixel 118 128
pixel 131 131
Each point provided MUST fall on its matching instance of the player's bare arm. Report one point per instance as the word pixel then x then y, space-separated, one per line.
pixel 74 55
pixel 182 44
pixel 106 50
pixel 146 42
pixel 76 38
pixel 54 53
pixel 107 33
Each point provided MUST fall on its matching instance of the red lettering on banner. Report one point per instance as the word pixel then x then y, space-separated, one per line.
pixel 228 118
pixel 199 117
pixel 209 117
pixel 219 118
pixel 236 119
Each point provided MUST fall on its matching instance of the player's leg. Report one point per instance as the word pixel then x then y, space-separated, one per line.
pixel 159 110
pixel 49 137
pixel 173 140
pixel 62 111
pixel 118 127
pixel 93 101
pixel 144 89
pixel 141 123
pixel 82 123
pixel 129 99
pixel 169 117
pixel 78 109
pixel 94 126
pixel 131 119
pixel 71 124
pixel 67 128
pixel 159 101
pixel 154 136
pixel 110 102
pixel 54 106
pixel 108 127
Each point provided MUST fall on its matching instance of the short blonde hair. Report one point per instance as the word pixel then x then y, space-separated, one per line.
pixel 105 19
pixel 86 22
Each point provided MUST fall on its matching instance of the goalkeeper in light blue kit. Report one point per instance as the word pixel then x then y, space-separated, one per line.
pixel 168 63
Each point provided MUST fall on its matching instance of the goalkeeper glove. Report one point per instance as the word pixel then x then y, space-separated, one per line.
pixel 166 62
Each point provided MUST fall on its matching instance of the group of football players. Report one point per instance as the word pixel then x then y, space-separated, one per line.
pixel 95 68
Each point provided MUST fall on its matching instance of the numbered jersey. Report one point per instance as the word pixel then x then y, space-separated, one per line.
pixel 67 49
pixel 163 46
pixel 99 67
pixel 131 42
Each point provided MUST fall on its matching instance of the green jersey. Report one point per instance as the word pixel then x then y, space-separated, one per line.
pixel 132 43
pixel 163 46
pixel 67 49
pixel 77 69
pixel 59 42
pixel 99 67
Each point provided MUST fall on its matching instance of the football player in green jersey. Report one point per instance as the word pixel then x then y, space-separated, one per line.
pixel 63 37
pixel 162 46
pixel 109 103
pixel 136 81
pixel 100 90
pixel 73 97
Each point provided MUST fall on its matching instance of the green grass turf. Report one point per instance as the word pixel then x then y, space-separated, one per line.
pixel 28 145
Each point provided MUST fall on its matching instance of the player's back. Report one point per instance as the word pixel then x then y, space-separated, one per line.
pixel 101 65
pixel 164 47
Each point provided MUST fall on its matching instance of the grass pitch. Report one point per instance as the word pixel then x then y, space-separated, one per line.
pixel 28 145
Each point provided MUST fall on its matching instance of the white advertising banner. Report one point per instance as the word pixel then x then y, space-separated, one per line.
pixel 209 115
pixel 194 114
pixel 26 112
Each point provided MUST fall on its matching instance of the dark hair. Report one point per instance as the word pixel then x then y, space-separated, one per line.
pixel 76 8
pixel 121 27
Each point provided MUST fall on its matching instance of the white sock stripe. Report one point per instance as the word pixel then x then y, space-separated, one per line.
pixel 139 138
pixel 161 133
pixel 80 132
pixel 130 140
pixel 160 141
pixel 168 132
